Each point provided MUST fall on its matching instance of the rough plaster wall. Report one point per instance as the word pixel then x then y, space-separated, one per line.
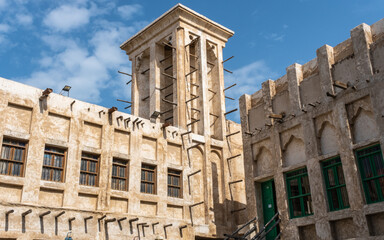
pixel 256 117
pixel 362 120
pixel 343 50
pixel 119 205
pixel 197 186
pixel 92 135
pixel 57 127
pixel 148 208
pixel 174 154
pixel 217 186
pixel 18 118
pixel 328 139
pixel 213 80
pixel 143 84
pixel 344 71
pixel 294 152
pixel 263 162
pixel 280 103
pixel 308 232
pixel 364 127
pixel 310 90
pixel 344 229
pixel 148 148
pixel 87 201
pixel 121 142
pixel 174 211
pixel 51 198
pixel 14 193
pixel 377 56
pixel 376 223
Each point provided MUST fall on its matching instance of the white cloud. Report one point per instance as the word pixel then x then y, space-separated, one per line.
pixel 248 79
pixel 3 4
pixel 274 37
pixel 24 19
pixel 75 67
pixel 66 18
pixel 4 27
pixel 128 11
pixel 89 68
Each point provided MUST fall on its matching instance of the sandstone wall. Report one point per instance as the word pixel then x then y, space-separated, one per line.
pixel 328 107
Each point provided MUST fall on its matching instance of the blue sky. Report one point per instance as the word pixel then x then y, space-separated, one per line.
pixel 76 42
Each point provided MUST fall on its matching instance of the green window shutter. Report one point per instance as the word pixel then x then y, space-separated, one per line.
pixel 371 166
pixel 335 184
pixel 299 194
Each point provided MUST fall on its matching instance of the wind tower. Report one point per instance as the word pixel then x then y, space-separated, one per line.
pixel 178 80
pixel 177 71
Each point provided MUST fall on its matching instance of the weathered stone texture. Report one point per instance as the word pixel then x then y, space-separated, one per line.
pixel 208 205
pixel 328 107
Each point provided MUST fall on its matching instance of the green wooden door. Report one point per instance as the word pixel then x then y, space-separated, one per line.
pixel 269 207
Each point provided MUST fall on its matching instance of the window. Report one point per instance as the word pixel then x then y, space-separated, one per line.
pixel 335 184
pixel 120 174
pixel 174 183
pixel 148 179
pixel 53 164
pixel 299 194
pixel 89 169
pixel 13 155
pixel 371 166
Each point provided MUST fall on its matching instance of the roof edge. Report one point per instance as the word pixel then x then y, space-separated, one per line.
pixel 181 6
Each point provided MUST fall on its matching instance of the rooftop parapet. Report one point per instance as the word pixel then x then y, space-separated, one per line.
pixel 336 70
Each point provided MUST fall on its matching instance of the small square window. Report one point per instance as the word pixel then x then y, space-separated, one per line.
pixel 89 169
pixel 174 183
pixel 120 174
pixel 13 155
pixel 53 164
pixel 148 179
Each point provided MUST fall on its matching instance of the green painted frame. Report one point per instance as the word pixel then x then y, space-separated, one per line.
pixel 301 195
pixel 375 177
pixel 337 186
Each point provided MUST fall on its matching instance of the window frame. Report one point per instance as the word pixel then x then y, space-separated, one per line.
pixel 86 172
pixel 51 167
pixel 170 186
pixel 337 186
pixel 145 181
pixel 375 176
pixel 300 196
pixel 11 162
pixel 119 165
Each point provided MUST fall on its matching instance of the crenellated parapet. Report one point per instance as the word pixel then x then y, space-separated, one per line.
pixel 335 71
pixel 328 109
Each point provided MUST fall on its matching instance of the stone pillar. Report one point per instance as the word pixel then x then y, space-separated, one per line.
pixel 180 117
pixel 325 60
pixel 134 89
pixel 268 89
pixel 154 80
pixel 295 76
pixel 220 92
pixel 350 169
pixel 72 165
pixel 106 158
pixel 361 39
pixel 245 105
pixel 34 161
pixel 204 100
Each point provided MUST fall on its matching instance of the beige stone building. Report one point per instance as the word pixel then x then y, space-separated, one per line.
pixel 313 143
pixel 172 169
